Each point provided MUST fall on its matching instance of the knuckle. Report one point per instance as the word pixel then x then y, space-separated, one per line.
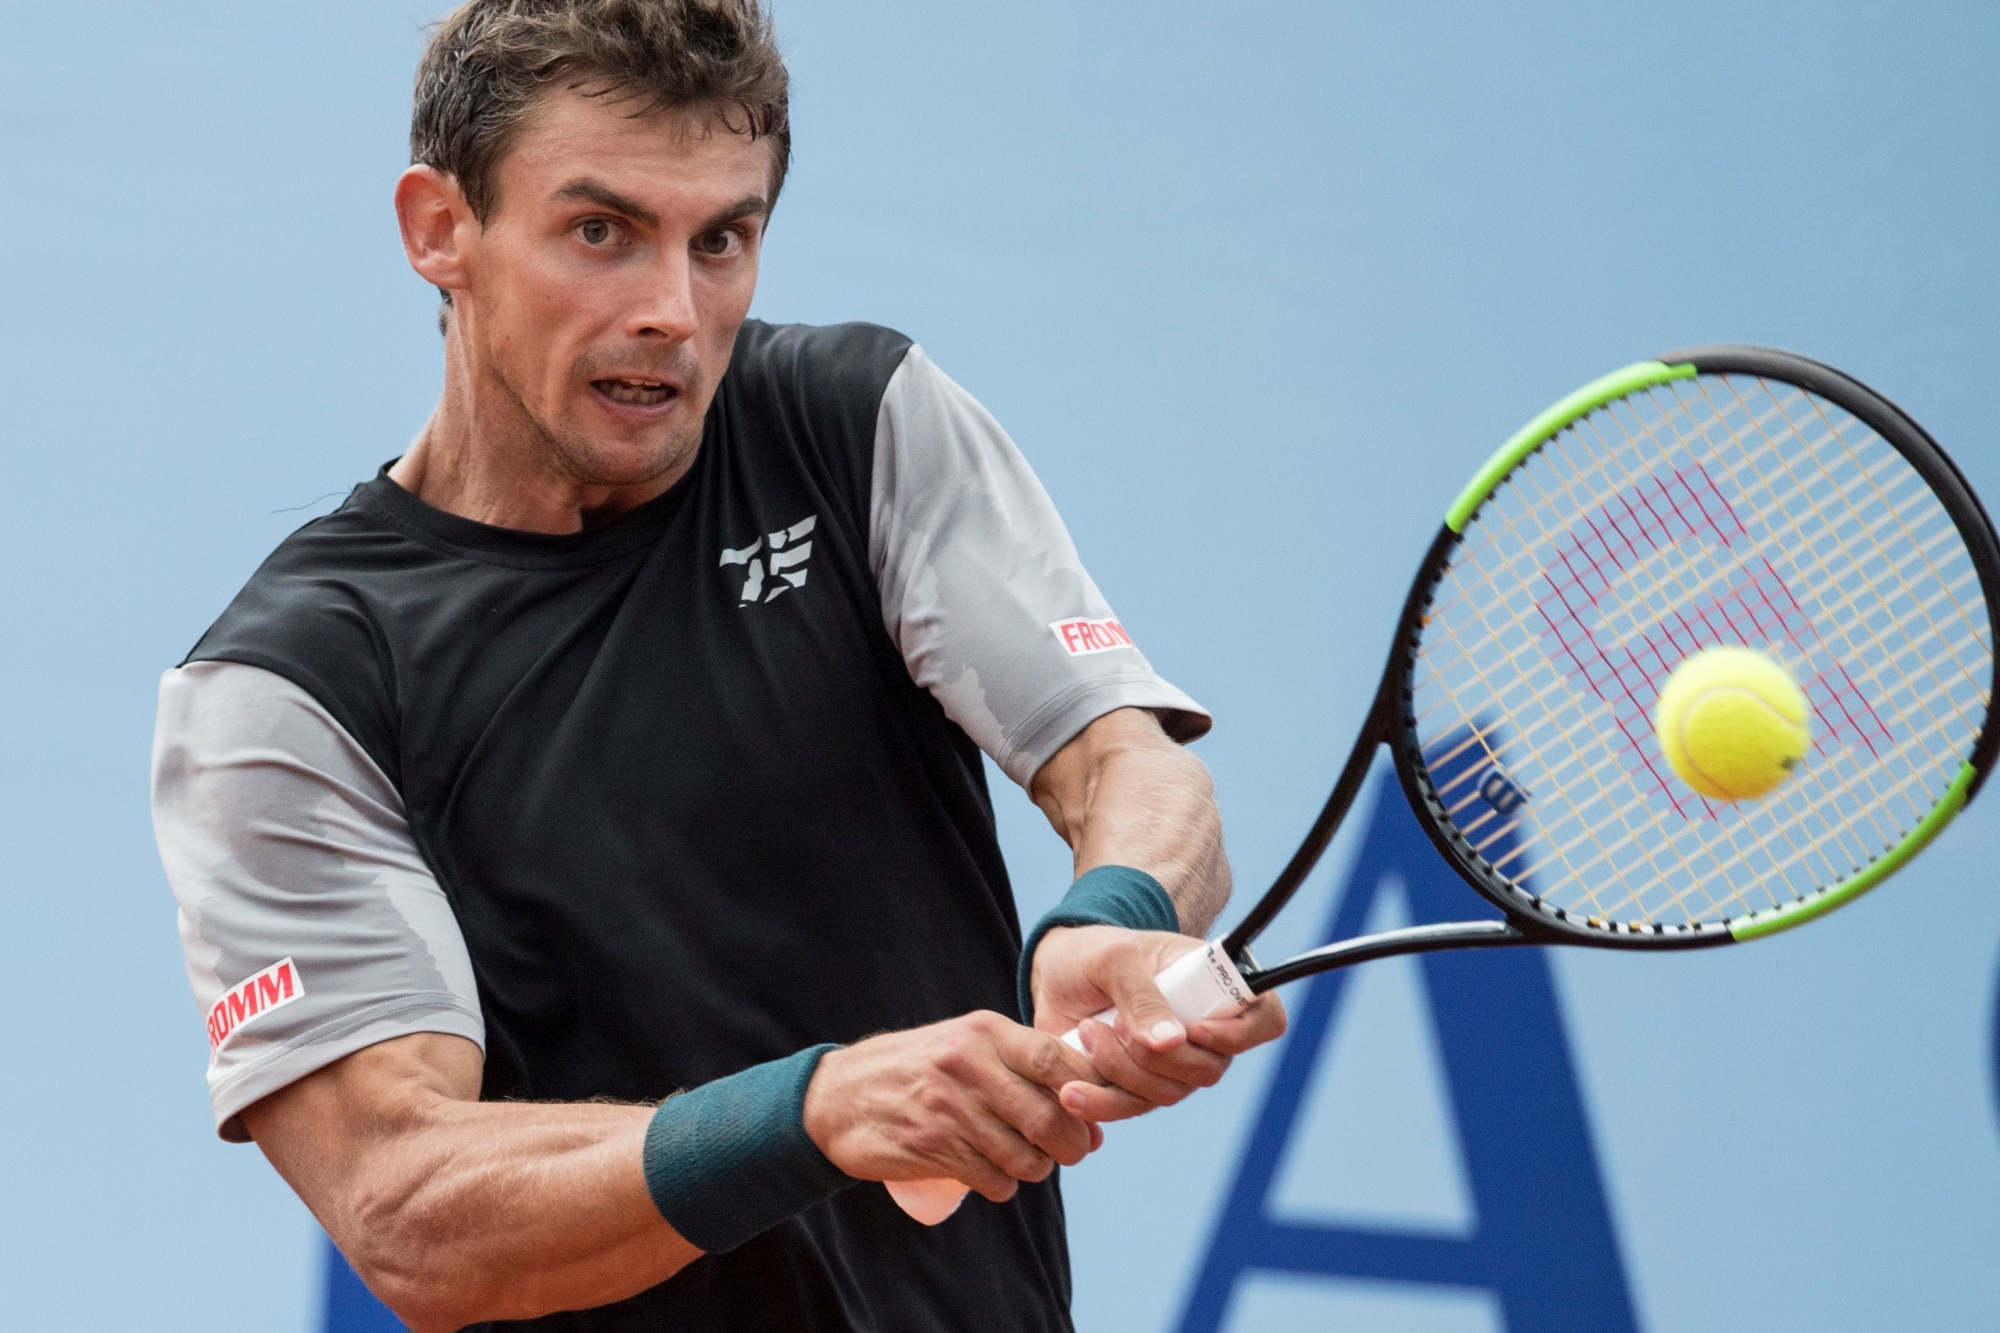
pixel 1033 1166
pixel 1052 1127
pixel 953 1060
pixel 936 1100
pixel 1045 1061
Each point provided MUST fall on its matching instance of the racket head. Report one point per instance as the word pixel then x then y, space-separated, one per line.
pixel 1721 495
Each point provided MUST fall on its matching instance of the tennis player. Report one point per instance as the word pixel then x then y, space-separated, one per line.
pixel 584 859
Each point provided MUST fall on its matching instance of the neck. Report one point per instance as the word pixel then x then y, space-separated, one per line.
pixel 482 457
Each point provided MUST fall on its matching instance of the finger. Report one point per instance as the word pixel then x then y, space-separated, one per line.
pixel 1129 1066
pixel 994 1142
pixel 1092 1103
pixel 1042 1059
pixel 1007 1147
pixel 955 1135
pixel 1128 978
pixel 976 1173
pixel 998 1112
pixel 1021 1083
pixel 1265 1020
pixel 1039 1117
pixel 1188 1063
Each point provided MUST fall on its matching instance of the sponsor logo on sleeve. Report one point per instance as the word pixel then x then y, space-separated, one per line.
pixel 1081 638
pixel 273 988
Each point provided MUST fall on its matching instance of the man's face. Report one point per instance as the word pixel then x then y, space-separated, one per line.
pixel 608 283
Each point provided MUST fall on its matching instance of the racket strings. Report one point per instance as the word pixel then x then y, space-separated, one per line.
pixel 1899 512
pixel 1933 730
pixel 1873 473
pixel 1544 699
pixel 1482 840
pixel 1723 509
pixel 1694 640
pixel 1967 581
pixel 1853 853
pixel 1739 433
pixel 1630 814
pixel 1744 844
pixel 1919 495
pixel 1819 580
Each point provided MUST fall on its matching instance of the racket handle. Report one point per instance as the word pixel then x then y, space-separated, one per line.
pixel 1202 983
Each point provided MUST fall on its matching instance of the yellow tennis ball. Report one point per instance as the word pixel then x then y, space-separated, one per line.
pixel 1732 723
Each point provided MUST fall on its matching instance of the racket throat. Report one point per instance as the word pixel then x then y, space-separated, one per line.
pixel 1389 944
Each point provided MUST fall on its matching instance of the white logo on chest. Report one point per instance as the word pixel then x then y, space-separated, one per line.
pixel 783 569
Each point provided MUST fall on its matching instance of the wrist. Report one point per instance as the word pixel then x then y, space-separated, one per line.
pixel 820 1110
pixel 732 1158
pixel 1104 896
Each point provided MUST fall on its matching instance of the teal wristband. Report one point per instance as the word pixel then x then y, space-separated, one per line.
pixel 1106 896
pixel 732 1158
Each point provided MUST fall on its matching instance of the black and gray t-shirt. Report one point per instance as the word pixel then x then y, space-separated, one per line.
pixel 640 807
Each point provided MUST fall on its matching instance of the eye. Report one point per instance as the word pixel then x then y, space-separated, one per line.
pixel 594 231
pixel 719 242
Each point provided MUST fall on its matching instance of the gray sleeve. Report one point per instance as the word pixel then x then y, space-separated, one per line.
pixel 982 589
pixel 311 924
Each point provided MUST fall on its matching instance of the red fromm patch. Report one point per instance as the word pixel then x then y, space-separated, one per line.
pixel 276 986
pixel 1080 638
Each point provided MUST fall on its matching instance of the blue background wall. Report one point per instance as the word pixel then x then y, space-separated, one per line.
pixel 1254 285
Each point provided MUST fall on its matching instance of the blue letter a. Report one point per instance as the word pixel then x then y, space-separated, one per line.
pixel 1542 1241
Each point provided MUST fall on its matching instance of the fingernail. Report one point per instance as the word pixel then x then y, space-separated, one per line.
pixel 1166 1030
pixel 1073 1100
pixel 1087 1034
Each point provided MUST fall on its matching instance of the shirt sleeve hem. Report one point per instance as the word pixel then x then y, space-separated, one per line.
pixel 315 1050
pixel 1056 723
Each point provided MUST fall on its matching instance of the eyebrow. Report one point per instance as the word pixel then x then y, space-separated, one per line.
pixel 594 192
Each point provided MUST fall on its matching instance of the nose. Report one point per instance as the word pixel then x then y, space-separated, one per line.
pixel 667 306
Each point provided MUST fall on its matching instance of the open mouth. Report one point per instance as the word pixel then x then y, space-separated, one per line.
pixel 635 392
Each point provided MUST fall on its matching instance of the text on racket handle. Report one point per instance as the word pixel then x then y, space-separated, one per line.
pixel 1201 983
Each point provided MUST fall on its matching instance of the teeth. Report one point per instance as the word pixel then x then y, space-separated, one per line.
pixel 634 391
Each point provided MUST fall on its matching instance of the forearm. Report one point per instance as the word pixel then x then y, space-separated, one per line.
pixel 1123 794
pixel 455 1210
pixel 1140 815
pixel 498 1211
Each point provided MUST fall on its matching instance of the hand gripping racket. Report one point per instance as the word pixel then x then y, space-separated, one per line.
pixel 1723 495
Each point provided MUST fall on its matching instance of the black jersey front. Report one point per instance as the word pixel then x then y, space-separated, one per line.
pixel 690 810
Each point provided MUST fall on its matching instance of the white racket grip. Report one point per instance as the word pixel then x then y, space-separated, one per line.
pixel 1202 983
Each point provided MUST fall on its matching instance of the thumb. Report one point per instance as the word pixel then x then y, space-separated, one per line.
pixel 1142 1010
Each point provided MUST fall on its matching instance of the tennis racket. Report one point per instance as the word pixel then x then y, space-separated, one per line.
pixel 1717 496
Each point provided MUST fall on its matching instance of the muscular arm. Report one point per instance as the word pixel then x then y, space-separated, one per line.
pixel 455 1210
pixel 1122 793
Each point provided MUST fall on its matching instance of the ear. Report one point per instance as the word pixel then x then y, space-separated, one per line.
pixel 437 224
